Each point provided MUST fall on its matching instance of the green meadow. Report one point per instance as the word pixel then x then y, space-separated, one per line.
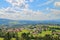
pixel 37 32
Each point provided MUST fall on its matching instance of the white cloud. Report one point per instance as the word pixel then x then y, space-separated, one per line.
pixel 31 0
pixel 46 3
pixel 57 4
pixel 18 4
pixel 23 15
pixel 54 14
pixel 29 15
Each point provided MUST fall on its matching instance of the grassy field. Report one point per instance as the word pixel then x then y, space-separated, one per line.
pixel 1 38
pixel 42 34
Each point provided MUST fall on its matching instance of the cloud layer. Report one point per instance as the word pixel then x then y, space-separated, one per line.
pixel 20 11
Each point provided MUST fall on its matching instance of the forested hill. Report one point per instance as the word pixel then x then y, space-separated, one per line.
pixel 14 22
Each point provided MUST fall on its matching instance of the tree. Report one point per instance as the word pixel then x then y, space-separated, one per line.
pixel 16 36
pixel 25 36
pixel 48 37
pixel 7 36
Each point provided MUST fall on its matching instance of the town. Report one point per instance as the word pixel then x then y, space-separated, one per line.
pixel 31 32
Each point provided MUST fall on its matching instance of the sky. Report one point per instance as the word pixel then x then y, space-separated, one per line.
pixel 30 9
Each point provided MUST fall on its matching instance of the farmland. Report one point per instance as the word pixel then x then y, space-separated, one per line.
pixel 31 32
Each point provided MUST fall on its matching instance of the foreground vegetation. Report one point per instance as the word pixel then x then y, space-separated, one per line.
pixel 31 32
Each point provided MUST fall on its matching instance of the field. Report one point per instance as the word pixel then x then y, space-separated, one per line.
pixel 37 32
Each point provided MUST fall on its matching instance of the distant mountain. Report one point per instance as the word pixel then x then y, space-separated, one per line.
pixel 26 22
pixel 14 22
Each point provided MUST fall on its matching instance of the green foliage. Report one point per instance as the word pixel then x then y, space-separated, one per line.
pixel 32 33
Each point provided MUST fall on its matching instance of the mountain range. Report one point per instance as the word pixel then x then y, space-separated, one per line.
pixel 22 22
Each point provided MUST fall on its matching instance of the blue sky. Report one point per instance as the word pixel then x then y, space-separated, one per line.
pixel 30 9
